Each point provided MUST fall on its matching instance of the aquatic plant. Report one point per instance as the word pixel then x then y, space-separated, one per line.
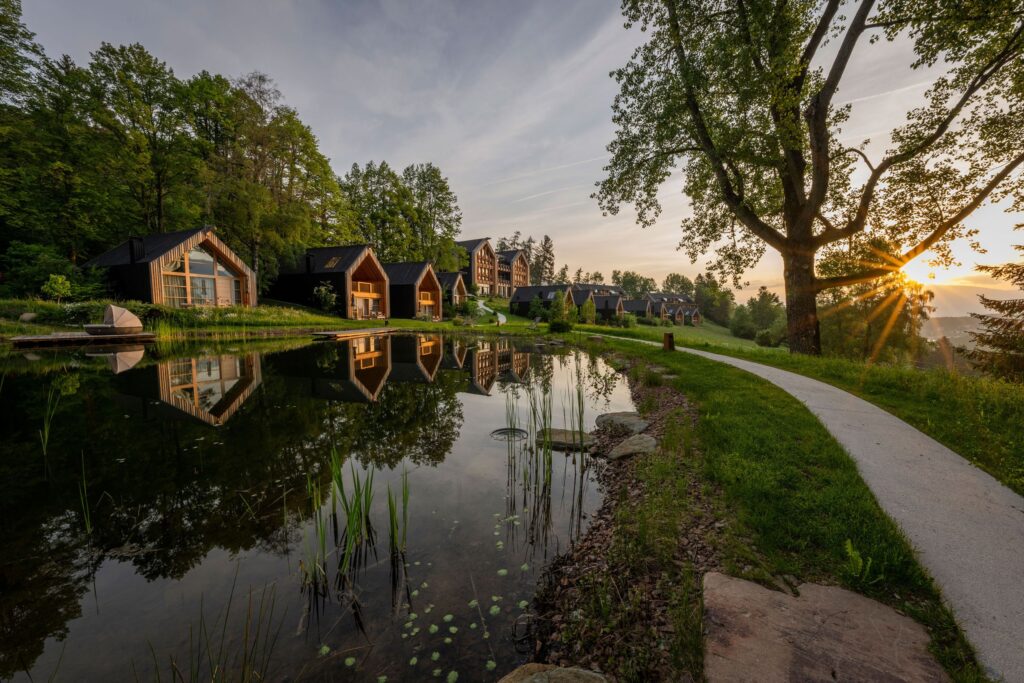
pixel 52 401
pixel 83 498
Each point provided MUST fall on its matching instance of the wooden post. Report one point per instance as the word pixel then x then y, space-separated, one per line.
pixel 668 343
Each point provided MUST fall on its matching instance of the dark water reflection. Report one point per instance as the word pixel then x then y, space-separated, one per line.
pixel 197 469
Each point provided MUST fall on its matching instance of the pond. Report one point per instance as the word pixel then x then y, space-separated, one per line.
pixel 373 509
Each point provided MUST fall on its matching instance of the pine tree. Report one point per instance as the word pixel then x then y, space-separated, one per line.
pixel 545 260
pixel 562 278
pixel 999 347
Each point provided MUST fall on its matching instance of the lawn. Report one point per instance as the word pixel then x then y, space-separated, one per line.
pixel 800 508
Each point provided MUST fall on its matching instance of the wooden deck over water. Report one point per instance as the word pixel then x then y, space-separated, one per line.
pixel 354 334
pixel 70 339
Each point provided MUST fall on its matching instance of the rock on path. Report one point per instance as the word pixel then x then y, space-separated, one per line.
pixel 567 440
pixel 825 634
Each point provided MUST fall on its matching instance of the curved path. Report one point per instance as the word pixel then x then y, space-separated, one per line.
pixel 967 528
pixel 482 306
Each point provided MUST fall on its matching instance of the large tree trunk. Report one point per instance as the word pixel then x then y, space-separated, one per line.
pixel 801 304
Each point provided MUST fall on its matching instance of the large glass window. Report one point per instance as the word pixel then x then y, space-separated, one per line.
pixel 199 278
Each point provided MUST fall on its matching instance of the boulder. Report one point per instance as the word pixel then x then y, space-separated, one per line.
pixel 622 422
pixel 824 634
pixel 548 673
pixel 27 317
pixel 638 444
pixel 567 440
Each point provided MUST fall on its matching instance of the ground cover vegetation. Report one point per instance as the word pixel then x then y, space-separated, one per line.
pixel 735 442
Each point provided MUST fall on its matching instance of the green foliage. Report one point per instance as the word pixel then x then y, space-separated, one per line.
pixel 676 283
pixel 538 310
pixel 557 311
pixel 56 287
pixel 557 326
pixel 742 324
pixel 27 267
pixel 742 98
pixel 325 296
pixel 588 312
pixel 634 285
pixel 713 299
pixel 764 338
pixel 999 347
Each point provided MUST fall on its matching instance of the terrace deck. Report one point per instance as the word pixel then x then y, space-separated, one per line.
pixel 67 339
pixel 337 335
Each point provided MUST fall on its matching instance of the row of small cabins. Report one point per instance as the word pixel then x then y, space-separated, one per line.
pixel 610 302
pixel 195 268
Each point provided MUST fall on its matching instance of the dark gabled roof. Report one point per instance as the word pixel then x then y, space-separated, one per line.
pixel 607 301
pixel 669 297
pixel 509 255
pixel 406 273
pixel 527 294
pixel 604 289
pixel 332 259
pixel 153 247
pixel 580 296
pixel 636 305
pixel 472 245
pixel 448 280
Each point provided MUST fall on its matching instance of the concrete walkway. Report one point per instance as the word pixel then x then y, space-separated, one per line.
pixel 967 528
pixel 483 307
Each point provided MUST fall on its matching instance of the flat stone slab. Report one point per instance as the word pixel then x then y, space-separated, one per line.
pixel 825 634
pixel 622 422
pixel 567 440
pixel 638 444
pixel 548 673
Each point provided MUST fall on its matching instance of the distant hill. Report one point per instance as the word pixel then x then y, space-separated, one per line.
pixel 955 328
pixel 954 301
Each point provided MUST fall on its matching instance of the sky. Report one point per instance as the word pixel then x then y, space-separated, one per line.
pixel 510 99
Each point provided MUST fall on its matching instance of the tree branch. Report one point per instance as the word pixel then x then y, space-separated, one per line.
pixel 937 234
pixel 749 219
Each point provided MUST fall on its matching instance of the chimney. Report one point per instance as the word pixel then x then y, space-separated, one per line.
pixel 136 249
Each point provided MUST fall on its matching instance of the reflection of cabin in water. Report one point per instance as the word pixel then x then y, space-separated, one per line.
pixel 351 371
pixel 483 367
pixel 416 358
pixel 513 364
pixel 211 388
pixel 455 354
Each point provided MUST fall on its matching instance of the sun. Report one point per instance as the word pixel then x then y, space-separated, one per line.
pixel 920 272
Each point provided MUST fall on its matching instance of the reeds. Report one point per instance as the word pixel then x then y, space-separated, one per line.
pixel 83 499
pixel 52 401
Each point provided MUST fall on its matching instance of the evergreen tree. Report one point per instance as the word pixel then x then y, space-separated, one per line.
pixel 545 260
pixel 562 277
pixel 999 347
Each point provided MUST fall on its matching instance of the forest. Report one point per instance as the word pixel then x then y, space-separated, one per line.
pixel 121 146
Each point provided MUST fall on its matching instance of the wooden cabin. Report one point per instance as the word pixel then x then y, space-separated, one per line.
pixel 691 314
pixel 455 354
pixel 414 290
pixel 454 287
pixel 674 312
pixel 356 276
pixel 416 358
pixel 641 308
pixel 513 271
pixel 482 271
pixel 181 269
pixel 659 310
pixel 210 388
pixel 522 297
pixel 609 306
pixel 680 307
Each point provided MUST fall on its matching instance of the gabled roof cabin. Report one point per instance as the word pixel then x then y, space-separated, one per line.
pixel 609 306
pixel 580 297
pixel 454 287
pixel 182 269
pixel 415 291
pixel 357 277
pixel 522 297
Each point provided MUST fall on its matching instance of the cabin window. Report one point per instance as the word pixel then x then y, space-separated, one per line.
pixel 332 262
pixel 200 278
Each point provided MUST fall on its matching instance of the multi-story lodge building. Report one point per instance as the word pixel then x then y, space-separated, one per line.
pixel 513 271
pixel 482 271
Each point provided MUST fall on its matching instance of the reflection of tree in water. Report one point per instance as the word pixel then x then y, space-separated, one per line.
pixel 164 489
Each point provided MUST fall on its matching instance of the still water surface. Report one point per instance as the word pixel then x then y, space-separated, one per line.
pixel 157 505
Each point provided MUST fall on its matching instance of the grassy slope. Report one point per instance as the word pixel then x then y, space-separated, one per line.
pixel 797 497
pixel 971 415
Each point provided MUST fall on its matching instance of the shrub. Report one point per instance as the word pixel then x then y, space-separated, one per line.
pixel 56 287
pixel 588 312
pixel 559 326
pixel 742 325
pixel 628 320
pixel 27 267
pixel 647 321
pixel 325 297
pixel 764 338
pixel 537 310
